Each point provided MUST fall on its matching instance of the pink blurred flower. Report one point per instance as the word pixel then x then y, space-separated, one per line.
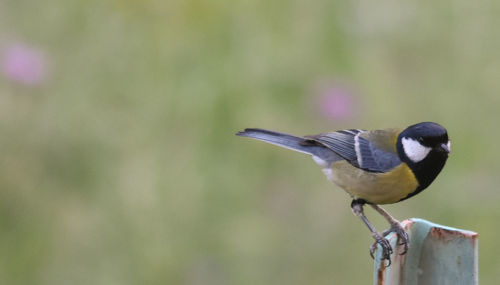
pixel 23 64
pixel 335 102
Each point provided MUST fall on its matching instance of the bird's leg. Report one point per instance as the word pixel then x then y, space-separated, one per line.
pixel 357 209
pixel 396 227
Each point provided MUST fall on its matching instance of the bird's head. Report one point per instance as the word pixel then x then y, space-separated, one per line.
pixel 420 140
pixel 425 148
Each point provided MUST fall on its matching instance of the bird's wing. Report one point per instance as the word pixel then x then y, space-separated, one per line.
pixel 373 151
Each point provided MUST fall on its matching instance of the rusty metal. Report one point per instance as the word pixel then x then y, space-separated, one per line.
pixel 437 255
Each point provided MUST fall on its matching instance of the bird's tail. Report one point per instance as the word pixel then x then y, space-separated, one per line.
pixel 291 142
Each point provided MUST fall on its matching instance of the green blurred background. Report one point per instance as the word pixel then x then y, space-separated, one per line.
pixel 119 163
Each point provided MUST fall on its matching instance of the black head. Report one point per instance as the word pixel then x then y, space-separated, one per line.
pixel 425 148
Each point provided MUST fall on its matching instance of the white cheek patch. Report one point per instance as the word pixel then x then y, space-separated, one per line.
pixel 449 146
pixel 414 150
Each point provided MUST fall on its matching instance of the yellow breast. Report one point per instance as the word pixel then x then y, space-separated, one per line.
pixel 377 188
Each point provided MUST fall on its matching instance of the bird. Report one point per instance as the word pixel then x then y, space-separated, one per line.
pixel 375 167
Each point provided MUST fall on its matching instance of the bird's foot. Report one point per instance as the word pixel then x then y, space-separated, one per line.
pixel 403 237
pixel 386 248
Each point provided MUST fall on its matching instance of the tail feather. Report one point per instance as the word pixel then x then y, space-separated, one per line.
pixel 291 142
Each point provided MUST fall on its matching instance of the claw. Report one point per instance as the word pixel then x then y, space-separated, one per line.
pixel 386 249
pixel 403 237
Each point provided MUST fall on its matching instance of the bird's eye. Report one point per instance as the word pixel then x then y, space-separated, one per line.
pixel 420 139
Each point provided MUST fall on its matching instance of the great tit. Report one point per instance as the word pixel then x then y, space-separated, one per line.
pixel 373 167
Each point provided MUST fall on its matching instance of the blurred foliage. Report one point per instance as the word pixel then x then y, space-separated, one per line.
pixel 122 167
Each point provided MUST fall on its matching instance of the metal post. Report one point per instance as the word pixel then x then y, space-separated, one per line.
pixel 437 255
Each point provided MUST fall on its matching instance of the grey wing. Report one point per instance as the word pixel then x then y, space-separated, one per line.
pixel 358 151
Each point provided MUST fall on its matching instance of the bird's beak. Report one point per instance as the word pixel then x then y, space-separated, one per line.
pixel 445 147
